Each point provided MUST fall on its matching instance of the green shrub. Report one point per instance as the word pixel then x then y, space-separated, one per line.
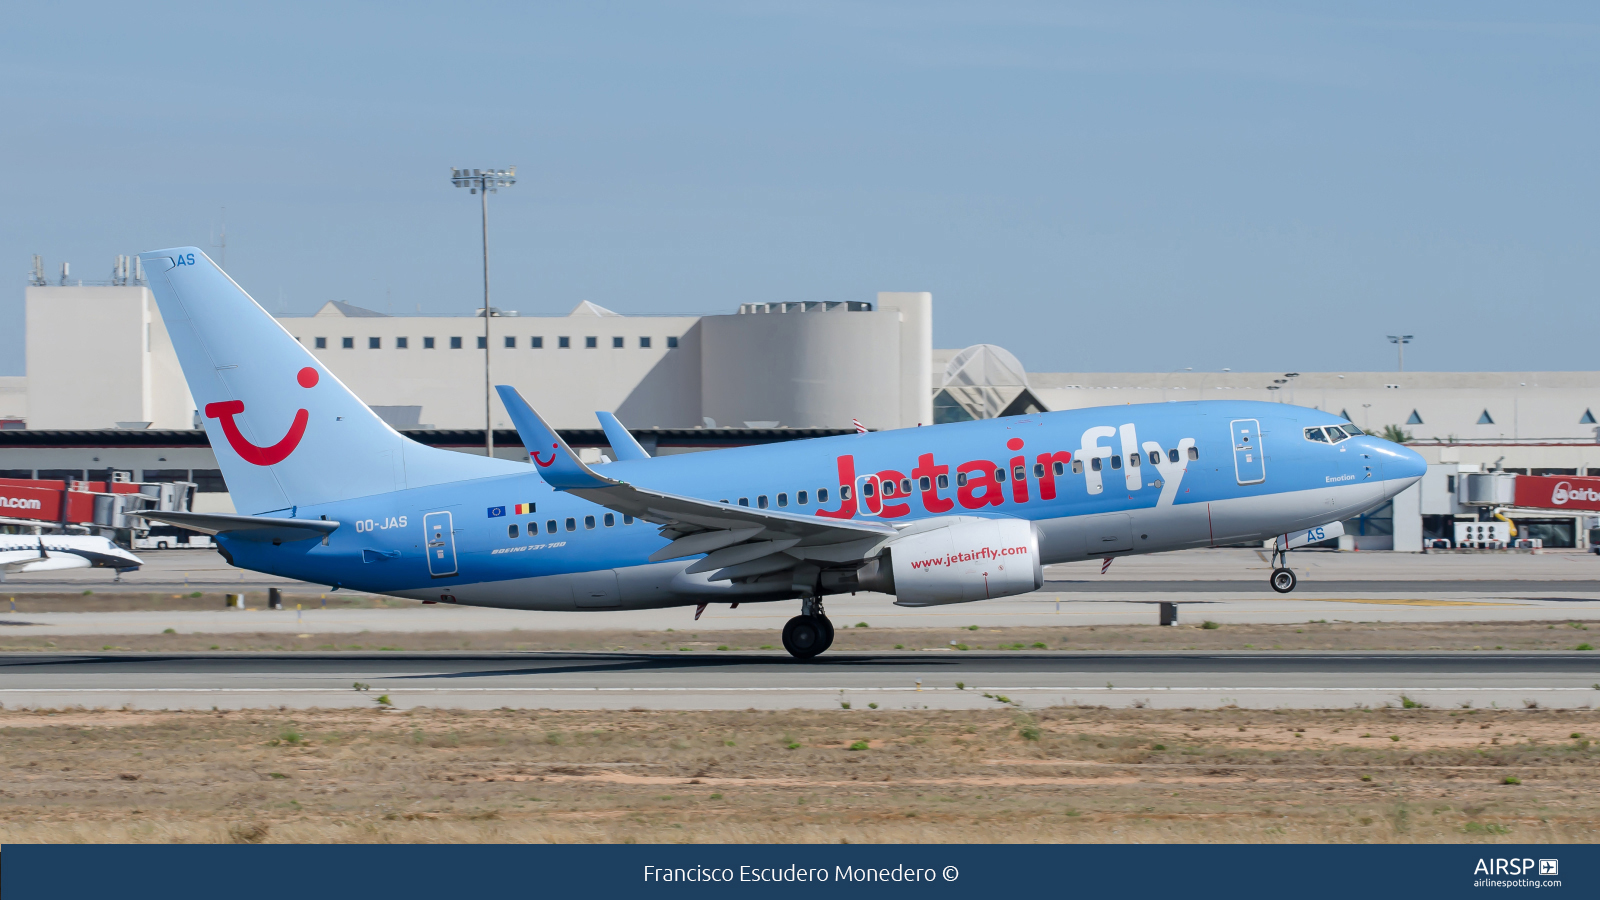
pixel 872 706
pixel 1209 625
pixel 169 631
pixel 859 745
pixel 1039 645
pixel 1158 746
pixel 792 745
pixel 862 625
pixel 1409 703
pixel 961 685
pixel 1511 779
pixel 844 704
pixel 1584 647
pixel 1029 732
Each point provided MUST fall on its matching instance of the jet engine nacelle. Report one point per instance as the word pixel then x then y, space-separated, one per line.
pixel 968 559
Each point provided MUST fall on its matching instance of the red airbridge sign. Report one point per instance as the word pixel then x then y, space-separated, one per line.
pixel 1558 492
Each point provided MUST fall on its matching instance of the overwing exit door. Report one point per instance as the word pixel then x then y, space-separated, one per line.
pixel 441 544
pixel 1249 466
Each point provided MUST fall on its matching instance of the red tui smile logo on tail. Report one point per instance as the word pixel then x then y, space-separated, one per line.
pixel 263 456
pixel 543 464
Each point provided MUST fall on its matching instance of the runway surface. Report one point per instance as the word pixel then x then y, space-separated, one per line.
pixel 908 680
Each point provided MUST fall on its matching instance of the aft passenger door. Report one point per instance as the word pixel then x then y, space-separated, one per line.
pixel 1249 466
pixel 441 540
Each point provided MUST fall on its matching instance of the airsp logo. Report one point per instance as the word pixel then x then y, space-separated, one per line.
pixel 1515 867
pixel 1549 867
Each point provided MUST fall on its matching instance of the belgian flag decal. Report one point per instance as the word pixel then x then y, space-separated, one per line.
pixel 525 508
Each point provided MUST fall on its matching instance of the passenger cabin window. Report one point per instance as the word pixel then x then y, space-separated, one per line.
pixel 1061 467
pixel 744 501
pixel 961 479
pixel 627 520
pixel 1155 457
pixel 511 530
pixel 1172 455
pixel 1038 470
pixel 867 488
pixel 844 494
pixel 550 527
pixel 783 500
pixel 1094 463
pixel 905 485
pixel 1133 460
pixel 1194 453
pixel 1315 434
pixel 799 498
pixel 944 481
pixel 761 501
pixel 1077 466
pixel 1018 473
pixel 1116 462
pixel 572 524
pixel 925 483
pixel 610 520
pixel 588 522
pixel 999 474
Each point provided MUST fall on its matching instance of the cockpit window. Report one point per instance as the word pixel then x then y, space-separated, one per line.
pixel 1315 434
pixel 1352 430
pixel 1336 434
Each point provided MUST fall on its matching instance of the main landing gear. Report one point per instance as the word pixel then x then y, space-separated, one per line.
pixel 1282 578
pixel 809 633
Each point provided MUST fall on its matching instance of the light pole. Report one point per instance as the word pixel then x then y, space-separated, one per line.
pixel 1400 341
pixel 482 181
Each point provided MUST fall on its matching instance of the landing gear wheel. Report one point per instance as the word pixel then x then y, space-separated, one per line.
pixel 827 632
pixel 806 636
pixel 1283 580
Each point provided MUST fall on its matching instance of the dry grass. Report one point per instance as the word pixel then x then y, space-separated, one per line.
pixel 1062 774
pixel 113 598
pixel 1190 636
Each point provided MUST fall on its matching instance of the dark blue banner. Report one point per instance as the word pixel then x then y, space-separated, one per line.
pixel 1230 871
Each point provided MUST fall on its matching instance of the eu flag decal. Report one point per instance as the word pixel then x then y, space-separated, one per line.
pixel 496 512
pixel 525 508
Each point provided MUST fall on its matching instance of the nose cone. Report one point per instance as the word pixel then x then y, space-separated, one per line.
pixel 1402 467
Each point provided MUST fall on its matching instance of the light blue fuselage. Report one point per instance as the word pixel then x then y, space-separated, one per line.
pixel 1225 492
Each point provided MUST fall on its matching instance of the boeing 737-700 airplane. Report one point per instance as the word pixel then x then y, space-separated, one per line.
pixel 326 492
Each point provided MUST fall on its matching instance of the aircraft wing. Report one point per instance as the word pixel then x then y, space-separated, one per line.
pixel 741 541
pixel 622 443
pixel 17 560
pixel 249 528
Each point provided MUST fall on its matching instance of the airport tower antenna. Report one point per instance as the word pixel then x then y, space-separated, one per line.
pixel 1400 341
pixel 482 182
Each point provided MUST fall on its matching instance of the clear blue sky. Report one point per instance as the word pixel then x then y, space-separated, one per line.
pixel 1130 186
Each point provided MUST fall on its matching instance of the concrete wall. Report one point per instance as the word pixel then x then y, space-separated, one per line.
pixel 98 356
pixel 13 396
pixel 916 353
pixel 1523 405
pixel 814 369
pixel 646 387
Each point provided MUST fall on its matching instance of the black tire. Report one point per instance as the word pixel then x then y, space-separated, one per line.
pixel 161 545
pixel 804 637
pixel 1283 580
pixel 827 633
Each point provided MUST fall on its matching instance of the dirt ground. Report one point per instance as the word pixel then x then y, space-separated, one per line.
pixel 1309 636
pixel 1075 774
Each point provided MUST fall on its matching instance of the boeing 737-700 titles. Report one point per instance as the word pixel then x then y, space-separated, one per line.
pixel 328 493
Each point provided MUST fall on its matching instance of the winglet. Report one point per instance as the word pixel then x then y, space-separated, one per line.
pixel 561 470
pixel 622 443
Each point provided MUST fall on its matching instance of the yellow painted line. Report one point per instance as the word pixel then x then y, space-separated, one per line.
pixel 1404 602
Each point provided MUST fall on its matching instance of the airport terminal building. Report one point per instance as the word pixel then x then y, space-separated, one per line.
pixel 103 391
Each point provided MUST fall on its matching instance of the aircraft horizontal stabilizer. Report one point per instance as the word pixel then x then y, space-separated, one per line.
pixel 262 529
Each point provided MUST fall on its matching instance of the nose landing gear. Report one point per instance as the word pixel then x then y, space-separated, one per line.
pixel 1282 578
pixel 809 633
